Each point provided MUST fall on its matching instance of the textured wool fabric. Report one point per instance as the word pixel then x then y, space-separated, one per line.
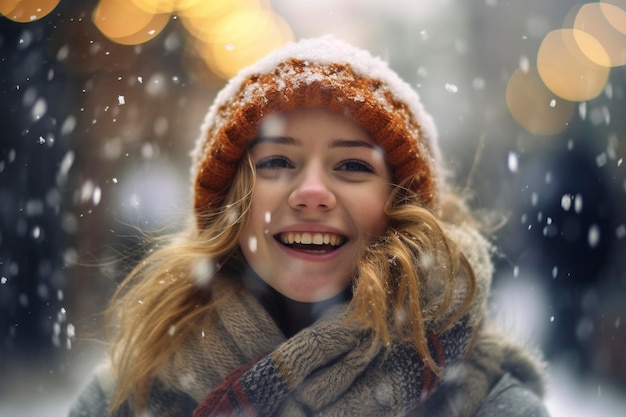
pixel 495 358
pixel 466 388
pixel 322 72
pixel 329 369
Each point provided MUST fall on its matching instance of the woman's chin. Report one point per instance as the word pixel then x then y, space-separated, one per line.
pixel 312 294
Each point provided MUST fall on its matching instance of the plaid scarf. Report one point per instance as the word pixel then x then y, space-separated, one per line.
pixel 331 369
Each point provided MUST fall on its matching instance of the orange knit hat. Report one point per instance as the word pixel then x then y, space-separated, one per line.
pixel 322 72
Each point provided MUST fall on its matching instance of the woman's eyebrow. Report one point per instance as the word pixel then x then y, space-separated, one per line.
pixel 350 143
pixel 280 140
pixel 288 140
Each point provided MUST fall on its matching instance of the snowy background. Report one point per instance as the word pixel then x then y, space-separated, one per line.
pixel 97 120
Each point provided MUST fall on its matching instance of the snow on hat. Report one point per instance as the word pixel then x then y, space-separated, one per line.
pixel 322 72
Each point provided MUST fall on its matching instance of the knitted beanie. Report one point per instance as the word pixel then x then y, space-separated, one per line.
pixel 322 72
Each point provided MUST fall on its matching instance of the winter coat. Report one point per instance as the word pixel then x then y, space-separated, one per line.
pixel 509 397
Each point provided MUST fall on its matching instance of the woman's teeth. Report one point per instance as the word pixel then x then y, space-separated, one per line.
pixel 308 238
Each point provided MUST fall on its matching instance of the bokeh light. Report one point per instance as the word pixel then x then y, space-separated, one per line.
pixel 241 38
pixel 170 6
pixel 7 6
pixel 157 6
pixel 592 19
pixel 155 26
pixel 124 23
pixel 535 107
pixel 615 13
pixel 24 11
pixel 198 18
pixel 226 34
pixel 566 70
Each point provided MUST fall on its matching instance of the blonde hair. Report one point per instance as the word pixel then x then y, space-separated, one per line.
pixel 159 302
pixel 415 280
pixel 156 306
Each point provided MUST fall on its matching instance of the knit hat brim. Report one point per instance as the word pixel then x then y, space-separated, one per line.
pixel 324 73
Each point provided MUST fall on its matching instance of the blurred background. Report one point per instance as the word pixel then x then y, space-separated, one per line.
pixel 101 102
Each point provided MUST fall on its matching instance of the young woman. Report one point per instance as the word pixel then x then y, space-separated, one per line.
pixel 328 270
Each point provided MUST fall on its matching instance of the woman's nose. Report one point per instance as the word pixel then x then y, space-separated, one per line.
pixel 312 192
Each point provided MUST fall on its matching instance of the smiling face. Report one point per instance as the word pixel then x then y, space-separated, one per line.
pixel 319 197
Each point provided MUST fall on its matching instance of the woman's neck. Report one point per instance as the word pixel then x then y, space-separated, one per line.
pixel 289 315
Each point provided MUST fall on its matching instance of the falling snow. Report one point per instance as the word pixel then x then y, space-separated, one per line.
pixel 593 236
pixel 512 162
pixel 578 203
pixel 582 110
pixel 252 244
pixel 202 271
pixel 524 64
pixel 451 88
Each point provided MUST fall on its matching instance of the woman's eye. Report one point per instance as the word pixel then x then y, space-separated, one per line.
pixel 355 165
pixel 274 162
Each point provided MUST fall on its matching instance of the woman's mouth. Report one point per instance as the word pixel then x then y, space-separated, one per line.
pixel 311 242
